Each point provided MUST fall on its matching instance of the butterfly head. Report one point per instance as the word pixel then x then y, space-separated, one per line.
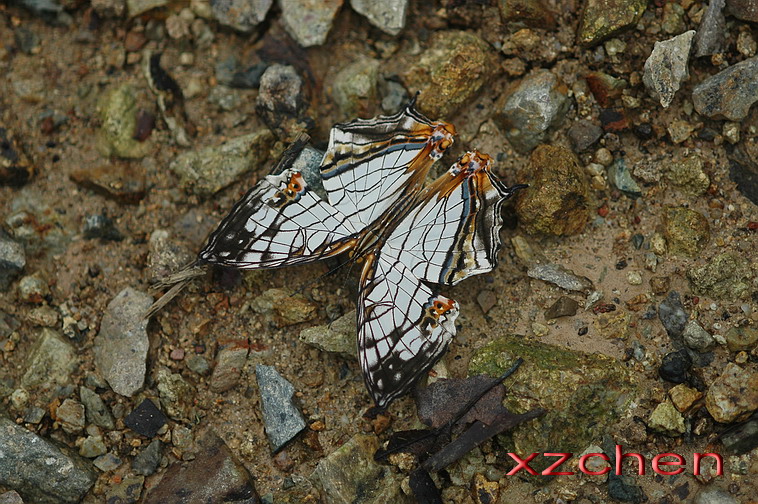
pixel 471 163
pixel 441 139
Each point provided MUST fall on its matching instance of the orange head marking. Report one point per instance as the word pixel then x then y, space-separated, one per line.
pixel 471 163
pixel 296 183
pixel 441 139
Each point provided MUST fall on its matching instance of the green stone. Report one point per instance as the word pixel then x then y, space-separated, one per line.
pixel 583 394
pixel 688 174
pixel 50 363
pixel 726 276
pixel 117 109
pixel 667 420
pixel 206 171
pixel 603 19
pixel 687 232
pixel 349 474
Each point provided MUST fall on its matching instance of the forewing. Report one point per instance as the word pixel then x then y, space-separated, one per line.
pixel 279 222
pixel 454 230
pixel 370 164
pixel 403 327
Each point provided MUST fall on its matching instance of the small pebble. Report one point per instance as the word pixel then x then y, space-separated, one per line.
pixel 634 278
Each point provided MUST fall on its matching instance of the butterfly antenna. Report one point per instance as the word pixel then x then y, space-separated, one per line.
pixel 177 282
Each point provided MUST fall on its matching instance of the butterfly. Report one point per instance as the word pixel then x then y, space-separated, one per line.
pixel 409 238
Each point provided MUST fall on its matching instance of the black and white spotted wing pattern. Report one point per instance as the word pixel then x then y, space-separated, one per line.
pixel 450 233
pixel 370 164
pixel 279 222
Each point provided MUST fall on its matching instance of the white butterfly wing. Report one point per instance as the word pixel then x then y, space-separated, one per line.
pixel 372 163
pixel 279 222
pixel 454 231
pixel 403 327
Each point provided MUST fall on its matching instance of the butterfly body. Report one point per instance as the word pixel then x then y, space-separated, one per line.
pixel 408 237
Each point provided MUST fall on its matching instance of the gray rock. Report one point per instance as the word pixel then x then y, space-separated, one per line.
pixel 12 260
pixel 672 315
pixel 107 462
pixel 583 134
pixel 730 93
pixel 177 396
pixel 714 496
pixel 198 364
pixel 743 438
pixel 354 89
pixel 394 95
pixel 225 98
pixel 11 497
pixel 282 419
pixel 666 67
pixel 146 462
pixel 337 337
pixel 535 106
pixel 349 474
pixel 96 410
pixel 697 338
pixel 165 255
pixel 39 470
pixel 34 415
pixel 624 489
pixel 282 102
pixel 621 178
pixel 242 15
pixel 307 21
pixel 122 343
pixel 560 276
pixel 50 363
pixel 711 34
pixel 229 363
pixel 71 416
pixel 92 446
pixel 33 289
pixel 388 16
pixel 101 226
pixel 206 171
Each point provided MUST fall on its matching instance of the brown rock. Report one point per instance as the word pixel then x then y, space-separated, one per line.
pixel 451 72
pixel 215 475
pixel 733 396
pixel 557 200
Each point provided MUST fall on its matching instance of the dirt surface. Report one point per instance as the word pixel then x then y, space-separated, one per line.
pixel 73 65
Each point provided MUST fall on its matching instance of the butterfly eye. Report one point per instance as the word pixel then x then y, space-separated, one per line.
pixel 296 186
